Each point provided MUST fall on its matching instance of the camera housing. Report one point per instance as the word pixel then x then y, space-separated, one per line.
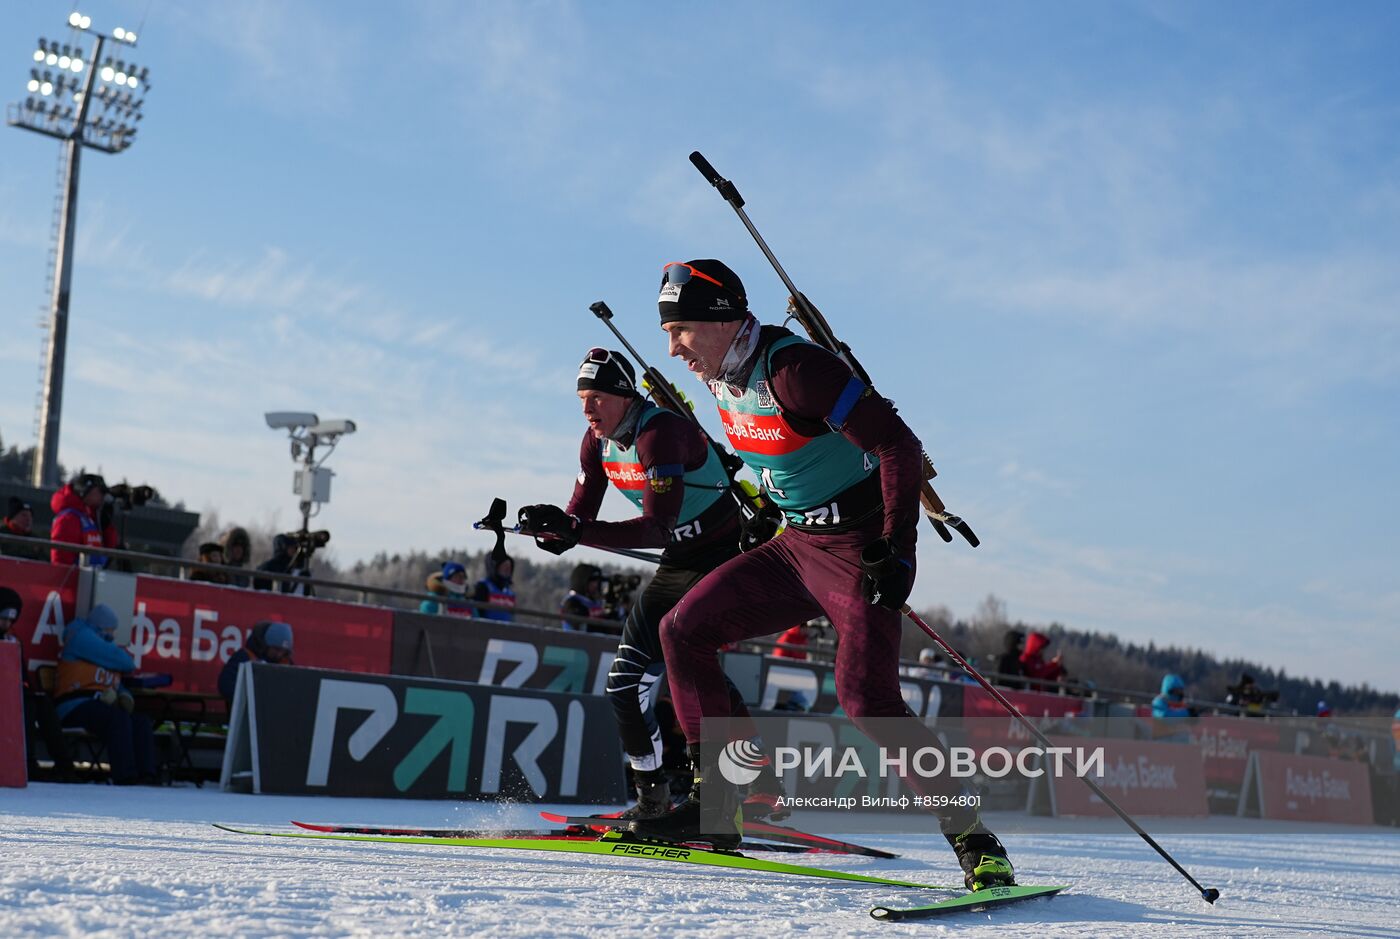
pixel 331 428
pixel 128 496
pixel 618 590
pixel 290 420
pixel 308 540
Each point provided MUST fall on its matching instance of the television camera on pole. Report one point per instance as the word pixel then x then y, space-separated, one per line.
pixel 311 483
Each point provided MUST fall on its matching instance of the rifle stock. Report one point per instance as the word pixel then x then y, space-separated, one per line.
pixel 819 330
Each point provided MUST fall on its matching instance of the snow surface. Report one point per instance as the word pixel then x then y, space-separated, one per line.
pixel 103 861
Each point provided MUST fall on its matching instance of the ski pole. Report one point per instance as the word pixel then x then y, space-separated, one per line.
pixel 492 522
pixel 820 331
pixel 625 552
pixel 1209 894
pixel 666 395
pixel 495 522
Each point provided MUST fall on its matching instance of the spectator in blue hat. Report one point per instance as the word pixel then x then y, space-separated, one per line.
pixel 268 641
pixel 1171 704
pixel 495 588
pixel 448 590
pixel 90 696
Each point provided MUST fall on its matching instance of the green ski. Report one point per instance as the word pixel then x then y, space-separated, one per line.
pixel 981 900
pixel 615 844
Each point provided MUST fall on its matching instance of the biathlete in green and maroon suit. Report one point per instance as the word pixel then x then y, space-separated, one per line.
pixel 665 466
pixel 846 471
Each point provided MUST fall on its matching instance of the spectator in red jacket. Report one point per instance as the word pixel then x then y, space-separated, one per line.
pixel 1034 664
pixel 77 508
pixel 793 643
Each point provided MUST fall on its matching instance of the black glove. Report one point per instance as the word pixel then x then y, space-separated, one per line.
pixel 760 529
pixel 550 520
pixel 888 577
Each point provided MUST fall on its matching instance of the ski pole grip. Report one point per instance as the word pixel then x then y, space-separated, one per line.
pixel 706 170
pixel 725 187
pixel 494 518
pixel 600 310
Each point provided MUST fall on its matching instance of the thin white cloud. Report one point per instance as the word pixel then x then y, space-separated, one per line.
pixel 1097 214
pixel 1032 478
pixel 25 232
pixel 301 300
pixel 186 418
pixel 1317 320
pixel 269 281
pixel 513 66
pixel 294 56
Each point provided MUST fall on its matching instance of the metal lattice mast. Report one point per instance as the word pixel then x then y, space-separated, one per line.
pixel 55 230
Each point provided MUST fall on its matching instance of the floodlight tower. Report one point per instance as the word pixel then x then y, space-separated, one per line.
pixel 63 104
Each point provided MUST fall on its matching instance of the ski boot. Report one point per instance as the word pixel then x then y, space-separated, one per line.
pixel 981 855
pixel 716 819
pixel 653 796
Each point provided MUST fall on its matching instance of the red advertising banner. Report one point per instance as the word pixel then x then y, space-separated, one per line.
pixel 1003 730
pixel 1143 777
pixel 1299 788
pixel 189 630
pixel 1227 742
pixel 14 770
pixel 50 595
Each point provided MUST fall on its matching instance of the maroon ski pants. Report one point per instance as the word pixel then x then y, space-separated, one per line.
pixel 795 577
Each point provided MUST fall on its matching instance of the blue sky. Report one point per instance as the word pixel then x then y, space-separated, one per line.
pixel 1129 271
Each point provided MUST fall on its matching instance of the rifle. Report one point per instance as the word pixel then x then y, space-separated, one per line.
pixel 820 332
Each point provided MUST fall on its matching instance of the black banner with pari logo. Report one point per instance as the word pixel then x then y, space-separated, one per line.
pixel 507 654
pixel 339 733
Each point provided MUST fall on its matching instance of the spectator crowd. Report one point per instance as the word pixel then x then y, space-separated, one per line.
pixel 83 515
